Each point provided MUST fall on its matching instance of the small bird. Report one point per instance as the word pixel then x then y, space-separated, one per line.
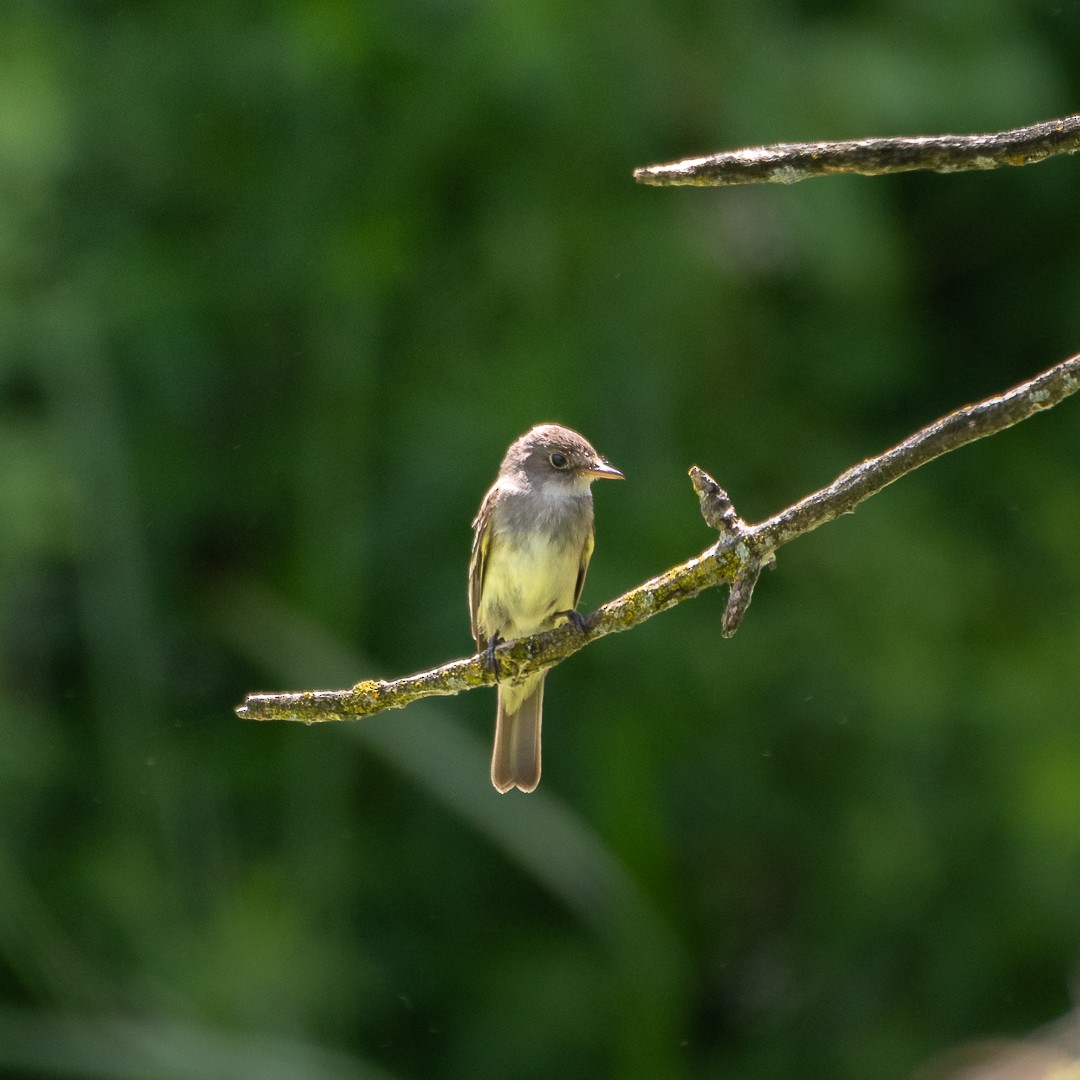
pixel 532 541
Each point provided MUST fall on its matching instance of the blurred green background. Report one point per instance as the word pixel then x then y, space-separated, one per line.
pixel 278 284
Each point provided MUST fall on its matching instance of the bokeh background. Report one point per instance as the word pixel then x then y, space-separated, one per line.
pixel 278 285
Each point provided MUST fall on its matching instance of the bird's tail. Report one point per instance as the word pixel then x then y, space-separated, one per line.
pixel 516 760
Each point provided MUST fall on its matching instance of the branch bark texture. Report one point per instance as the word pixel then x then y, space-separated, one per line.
pixel 736 558
pixel 787 163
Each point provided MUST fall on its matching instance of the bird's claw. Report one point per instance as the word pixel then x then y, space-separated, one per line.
pixel 490 659
pixel 581 622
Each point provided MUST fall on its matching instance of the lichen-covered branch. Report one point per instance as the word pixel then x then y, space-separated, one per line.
pixel 736 558
pixel 963 426
pixel 786 163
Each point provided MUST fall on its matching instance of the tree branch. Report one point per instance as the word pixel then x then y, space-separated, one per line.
pixel 737 558
pixel 787 163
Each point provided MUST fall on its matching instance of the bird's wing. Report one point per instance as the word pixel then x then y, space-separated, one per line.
pixel 583 566
pixel 478 562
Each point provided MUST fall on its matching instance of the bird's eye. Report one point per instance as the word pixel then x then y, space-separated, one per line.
pixel 558 461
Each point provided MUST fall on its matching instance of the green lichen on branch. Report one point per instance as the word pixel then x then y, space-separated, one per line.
pixel 787 163
pixel 736 558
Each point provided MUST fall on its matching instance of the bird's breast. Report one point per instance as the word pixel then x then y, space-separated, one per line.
pixel 529 576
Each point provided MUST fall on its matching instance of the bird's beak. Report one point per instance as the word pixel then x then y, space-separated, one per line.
pixel 601 470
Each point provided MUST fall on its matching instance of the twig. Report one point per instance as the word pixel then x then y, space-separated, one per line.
pixel 737 557
pixel 787 163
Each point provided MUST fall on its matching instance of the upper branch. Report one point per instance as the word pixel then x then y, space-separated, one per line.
pixel 786 163
pixel 737 557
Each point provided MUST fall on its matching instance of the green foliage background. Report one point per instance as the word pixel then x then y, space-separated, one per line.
pixel 278 284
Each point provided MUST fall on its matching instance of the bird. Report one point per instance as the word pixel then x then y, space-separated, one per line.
pixel 533 538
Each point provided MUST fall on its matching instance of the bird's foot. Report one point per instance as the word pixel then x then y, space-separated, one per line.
pixel 490 659
pixel 581 622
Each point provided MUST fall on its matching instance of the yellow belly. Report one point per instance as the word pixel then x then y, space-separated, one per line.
pixel 524 585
